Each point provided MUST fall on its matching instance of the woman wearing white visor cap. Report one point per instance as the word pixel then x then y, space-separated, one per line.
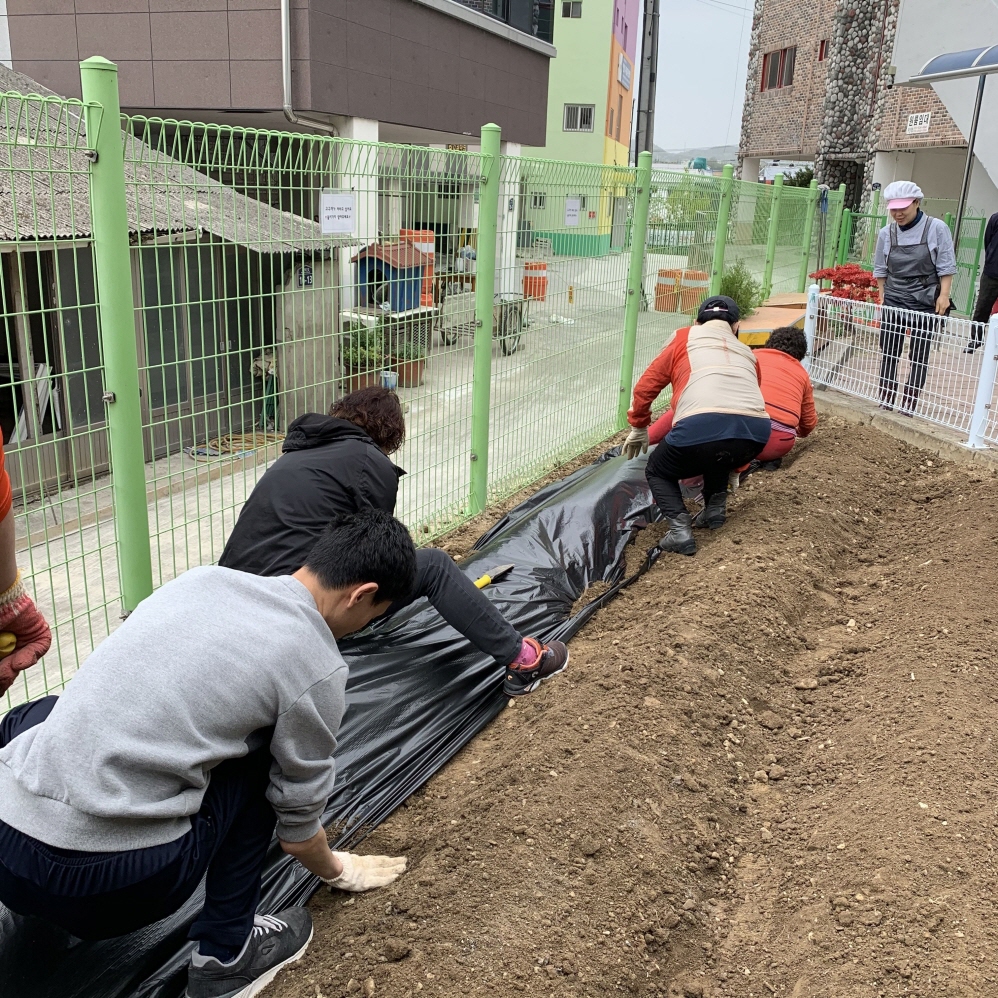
pixel 914 266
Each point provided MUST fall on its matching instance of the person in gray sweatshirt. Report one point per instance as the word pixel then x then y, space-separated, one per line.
pixel 207 720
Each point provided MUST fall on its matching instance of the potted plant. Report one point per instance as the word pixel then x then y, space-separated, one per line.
pixel 363 355
pixel 409 361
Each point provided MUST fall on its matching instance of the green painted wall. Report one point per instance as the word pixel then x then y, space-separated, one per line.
pixel 578 75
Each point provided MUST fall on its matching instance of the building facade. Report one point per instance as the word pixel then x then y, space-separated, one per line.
pixel 923 137
pixel 408 70
pixel 589 120
pixel 589 115
pixel 825 85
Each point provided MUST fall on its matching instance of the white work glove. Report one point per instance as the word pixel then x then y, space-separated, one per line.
pixel 636 442
pixel 364 873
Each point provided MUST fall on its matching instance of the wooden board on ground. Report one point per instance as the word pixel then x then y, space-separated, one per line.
pixel 755 328
pixel 789 300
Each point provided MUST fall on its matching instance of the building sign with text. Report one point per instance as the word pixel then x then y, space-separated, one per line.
pixel 338 213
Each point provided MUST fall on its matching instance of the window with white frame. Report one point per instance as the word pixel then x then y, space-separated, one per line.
pixel 571 8
pixel 579 117
pixel 538 200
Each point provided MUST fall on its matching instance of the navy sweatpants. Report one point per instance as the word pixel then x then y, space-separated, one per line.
pixel 97 895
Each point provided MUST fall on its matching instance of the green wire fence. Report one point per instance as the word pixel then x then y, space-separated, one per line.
pixel 176 293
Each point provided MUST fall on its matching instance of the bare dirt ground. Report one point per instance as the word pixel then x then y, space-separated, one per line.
pixel 768 771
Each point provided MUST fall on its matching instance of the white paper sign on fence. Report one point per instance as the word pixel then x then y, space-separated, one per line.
pixel 338 213
pixel 572 208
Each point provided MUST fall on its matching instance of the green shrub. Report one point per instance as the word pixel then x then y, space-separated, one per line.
pixel 739 284
pixel 801 177
pixel 409 348
pixel 363 348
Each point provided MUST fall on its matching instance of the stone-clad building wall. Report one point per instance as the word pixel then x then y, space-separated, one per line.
pixel 785 122
pixel 841 110
pixel 855 95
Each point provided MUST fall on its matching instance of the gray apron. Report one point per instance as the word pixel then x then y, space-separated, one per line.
pixel 912 281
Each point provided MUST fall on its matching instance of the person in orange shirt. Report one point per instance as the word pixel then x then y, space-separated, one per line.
pixel 18 614
pixel 721 421
pixel 786 390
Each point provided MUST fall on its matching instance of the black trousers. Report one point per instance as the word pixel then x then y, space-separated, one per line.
pixel 714 460
pixel 462 605
pixel 893 325
pixel 98 895
pixel 987 295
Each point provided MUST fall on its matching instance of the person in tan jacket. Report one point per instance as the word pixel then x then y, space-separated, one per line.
pixel 720 422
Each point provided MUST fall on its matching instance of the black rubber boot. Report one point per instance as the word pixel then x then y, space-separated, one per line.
pixel 714 513
pixel 679 539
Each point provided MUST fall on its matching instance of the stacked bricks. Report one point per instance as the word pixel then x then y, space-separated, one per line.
pixel 840 111
pixel 784 123
pixel 903 101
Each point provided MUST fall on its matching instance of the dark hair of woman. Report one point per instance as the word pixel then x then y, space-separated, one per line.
pixel 790 340
pixel 378 412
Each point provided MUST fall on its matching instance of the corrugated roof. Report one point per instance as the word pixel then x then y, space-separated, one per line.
pixel 45 194
pixel 402 255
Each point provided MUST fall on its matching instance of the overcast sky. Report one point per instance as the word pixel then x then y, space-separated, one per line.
pixel 702 55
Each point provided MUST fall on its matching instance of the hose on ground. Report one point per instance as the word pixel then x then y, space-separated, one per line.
pixel 233 444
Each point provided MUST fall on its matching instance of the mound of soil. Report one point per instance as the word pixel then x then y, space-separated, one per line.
pixel 768 771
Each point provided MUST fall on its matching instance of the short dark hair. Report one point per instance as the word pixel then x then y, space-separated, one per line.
pixel 378 412
pixel 790 340
pixel 367 546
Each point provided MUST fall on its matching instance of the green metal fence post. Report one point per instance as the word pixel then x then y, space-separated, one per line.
pixel 805 258
pixel 975 266
pixel 117 326
pixel 485 284
pixel 774 224
pixel 845 236
pixel 948 219
pixel 875 203
pixel 635 276
pixel 721 232
pixel 841 202
pixel 870 239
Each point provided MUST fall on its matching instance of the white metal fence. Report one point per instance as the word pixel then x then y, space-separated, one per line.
pixel 913 363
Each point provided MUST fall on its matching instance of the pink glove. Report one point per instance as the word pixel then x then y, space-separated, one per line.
pixel 20 616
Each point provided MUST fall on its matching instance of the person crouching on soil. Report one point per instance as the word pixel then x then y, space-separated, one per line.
pixel 205 721
pixel 786 390
pixel 338 464
pixel 720 422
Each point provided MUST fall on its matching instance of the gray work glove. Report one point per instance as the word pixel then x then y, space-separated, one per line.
pixel 636 442
pixel 364 873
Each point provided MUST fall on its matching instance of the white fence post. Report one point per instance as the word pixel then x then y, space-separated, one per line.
pixel 985 386
pixel 810 325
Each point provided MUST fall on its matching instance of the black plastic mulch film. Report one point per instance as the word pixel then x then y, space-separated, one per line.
pixel 417 693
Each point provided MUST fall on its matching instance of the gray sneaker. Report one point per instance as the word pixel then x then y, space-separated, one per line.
pixel 276 941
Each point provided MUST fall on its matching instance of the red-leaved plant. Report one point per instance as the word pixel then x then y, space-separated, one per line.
pixel 850 281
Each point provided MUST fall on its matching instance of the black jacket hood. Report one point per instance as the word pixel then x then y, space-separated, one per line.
pixel 315 430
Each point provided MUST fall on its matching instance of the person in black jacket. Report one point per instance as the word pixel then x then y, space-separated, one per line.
pixel 987 290
pixel 336 464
